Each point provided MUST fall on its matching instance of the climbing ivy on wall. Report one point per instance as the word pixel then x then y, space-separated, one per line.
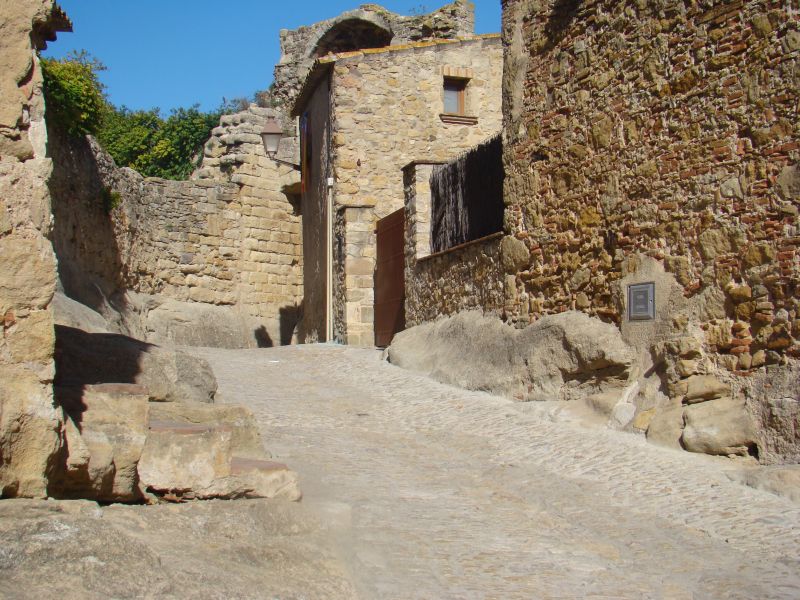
pixel 156 146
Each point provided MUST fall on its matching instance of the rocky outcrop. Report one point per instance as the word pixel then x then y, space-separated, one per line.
pixel 122 447
pixel 105 431
pixel 88 353
pixel 168 374
pixel 720 426
pixel 781 480
pixel 139 423
pixel 82 550
pixel 171 322
pixel 562 357
pixel 29 424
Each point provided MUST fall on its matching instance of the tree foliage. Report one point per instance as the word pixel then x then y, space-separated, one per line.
pixel 74 94
pixel 156 146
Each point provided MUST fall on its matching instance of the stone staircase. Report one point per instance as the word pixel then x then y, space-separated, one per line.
pixel 121 447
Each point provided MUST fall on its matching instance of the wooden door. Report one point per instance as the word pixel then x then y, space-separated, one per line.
pixel 390 288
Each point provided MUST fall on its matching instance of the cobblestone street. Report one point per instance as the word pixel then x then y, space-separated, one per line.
pixel 434 492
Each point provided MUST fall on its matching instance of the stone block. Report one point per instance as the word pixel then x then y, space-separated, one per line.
pixel 666 426
pixel 31 339
pixel 106 427
pixel 245 437
pixel 29 432
pixel 700 388
pixel 184 459
pixel 721 426
pixel 27 273
pixel 514 254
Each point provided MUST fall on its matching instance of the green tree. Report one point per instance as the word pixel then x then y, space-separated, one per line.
pixel 178 149
pixel 74 95
pixel 127 134
pixel 141 139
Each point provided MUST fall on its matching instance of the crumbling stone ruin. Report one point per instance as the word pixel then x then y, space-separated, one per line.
pixel 219 260
pixel 369 26
pixel 86 410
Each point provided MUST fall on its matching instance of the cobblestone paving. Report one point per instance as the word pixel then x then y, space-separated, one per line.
pixel 435 492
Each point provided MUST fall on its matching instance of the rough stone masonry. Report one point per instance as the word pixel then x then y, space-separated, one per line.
pixel 29 422
pixel 659 141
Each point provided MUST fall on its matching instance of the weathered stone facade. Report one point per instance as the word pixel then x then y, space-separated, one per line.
pixel 659 142
pixel 467 277
pixel 30 425
pixel 386 110
pixel 192 247
pixel 369 26
pixel 231 241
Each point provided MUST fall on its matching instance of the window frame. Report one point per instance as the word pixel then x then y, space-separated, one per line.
pixel 459 85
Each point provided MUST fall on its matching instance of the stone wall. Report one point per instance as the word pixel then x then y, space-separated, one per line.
pixel 230 238
pixel 659 141
pixel 465 277
pixel 387 107
pixel 30 425
pixel 174 258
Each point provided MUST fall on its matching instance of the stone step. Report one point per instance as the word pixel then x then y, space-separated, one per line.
pixel 185 458
pixel 105 428
pixel 178 428
pixel 245 438
pixel 189 460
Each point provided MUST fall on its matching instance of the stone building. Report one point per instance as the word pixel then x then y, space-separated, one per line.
pixel 654 143
pixel 364 115
pixel 217 260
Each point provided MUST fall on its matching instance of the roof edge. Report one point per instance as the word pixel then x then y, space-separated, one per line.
pixel 324 64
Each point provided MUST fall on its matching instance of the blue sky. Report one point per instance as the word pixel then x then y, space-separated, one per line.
pixel 171 53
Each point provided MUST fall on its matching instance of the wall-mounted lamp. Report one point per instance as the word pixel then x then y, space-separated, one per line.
pixel 271 136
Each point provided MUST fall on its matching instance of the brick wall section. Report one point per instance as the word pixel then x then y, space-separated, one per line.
pixel 664 129
pixel 464 278
pixel 386 107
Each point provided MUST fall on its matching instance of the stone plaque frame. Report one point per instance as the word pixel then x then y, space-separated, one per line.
pixel 642 301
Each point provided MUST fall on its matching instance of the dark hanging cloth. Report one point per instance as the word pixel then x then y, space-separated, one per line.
pixel 467 196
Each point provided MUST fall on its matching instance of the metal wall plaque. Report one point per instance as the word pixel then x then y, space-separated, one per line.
pixel 642 301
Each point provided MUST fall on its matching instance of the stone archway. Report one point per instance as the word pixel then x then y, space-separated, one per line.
pixel 352 32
